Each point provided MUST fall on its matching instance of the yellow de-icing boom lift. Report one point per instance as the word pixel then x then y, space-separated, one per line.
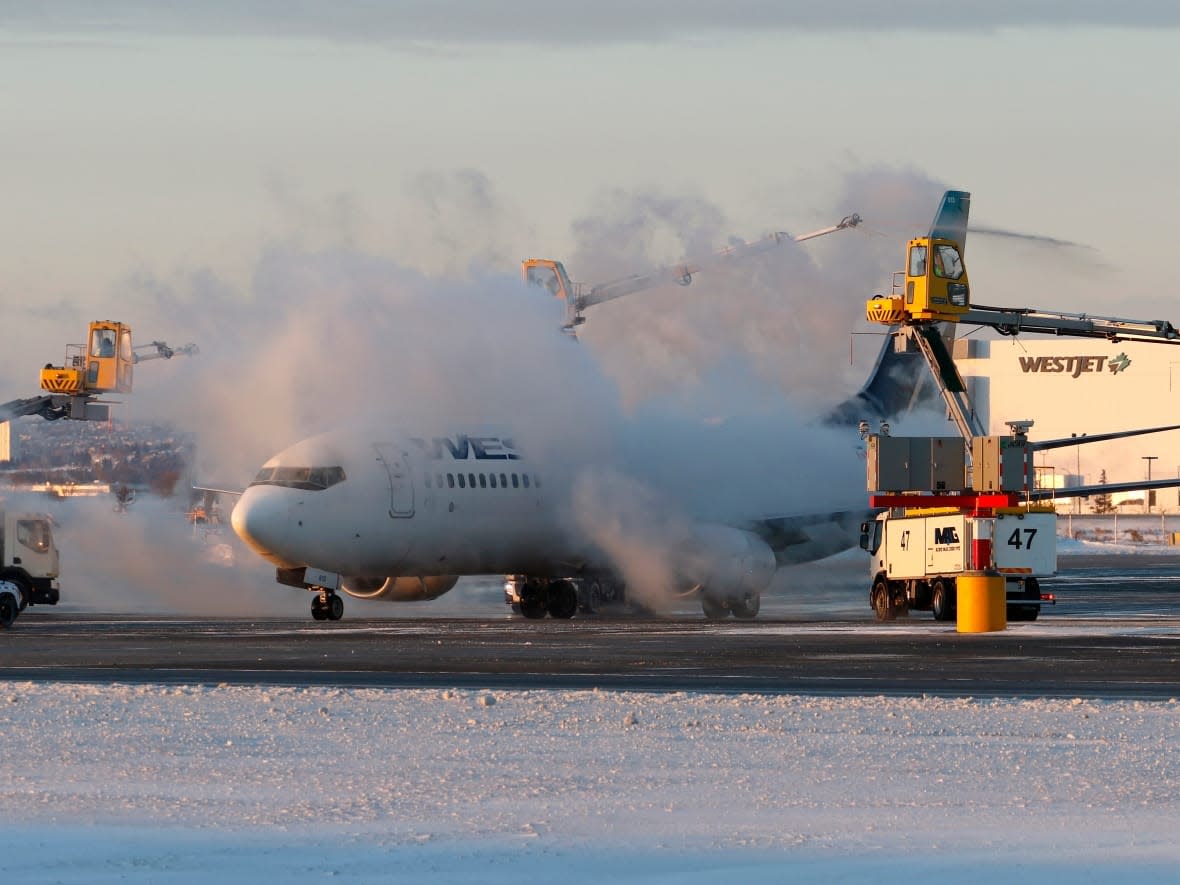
pixel 934 290
pixel 551 275
pixel 945 500
pixel 103 365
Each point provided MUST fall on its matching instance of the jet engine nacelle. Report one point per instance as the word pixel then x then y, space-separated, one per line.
pixel 727 562
pixel 413 588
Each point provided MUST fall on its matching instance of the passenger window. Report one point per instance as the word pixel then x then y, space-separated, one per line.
pixel 503 481
pixel 492 480
pixel 471 480
pixel 515 484
pixel 525 480
pixel 483 481
pixel 450 480
pixel 461 484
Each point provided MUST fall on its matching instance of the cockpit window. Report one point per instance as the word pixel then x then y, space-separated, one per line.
pixel 311 479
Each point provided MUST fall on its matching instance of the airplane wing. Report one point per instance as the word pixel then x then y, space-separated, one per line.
pixel 1103 489
pixel 811 536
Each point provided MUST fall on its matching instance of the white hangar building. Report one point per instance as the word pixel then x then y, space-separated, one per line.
pixel 1082 386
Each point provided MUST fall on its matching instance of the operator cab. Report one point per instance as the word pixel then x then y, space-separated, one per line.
pixel 936 286
pixel 549 275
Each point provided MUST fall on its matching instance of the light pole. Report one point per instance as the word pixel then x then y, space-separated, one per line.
pixel 1149 459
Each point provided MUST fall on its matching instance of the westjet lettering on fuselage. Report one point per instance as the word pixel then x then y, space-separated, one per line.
pixel 463 448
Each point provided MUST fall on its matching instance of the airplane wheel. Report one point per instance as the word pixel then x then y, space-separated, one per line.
pixel 714 610
pixel 593 597
pixel 563 600
pixel 747 607
pixel 335 608
pixel 317 610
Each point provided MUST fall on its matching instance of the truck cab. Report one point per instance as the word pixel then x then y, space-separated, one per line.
pixel 29 557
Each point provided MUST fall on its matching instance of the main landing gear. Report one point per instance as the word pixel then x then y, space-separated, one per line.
pixel 744 607
pixel 327 606
pixel 558 599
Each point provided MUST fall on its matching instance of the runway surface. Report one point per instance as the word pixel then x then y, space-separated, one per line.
pixel 1114 633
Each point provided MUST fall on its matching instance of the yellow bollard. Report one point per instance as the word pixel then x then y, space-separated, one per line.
pixel 982 602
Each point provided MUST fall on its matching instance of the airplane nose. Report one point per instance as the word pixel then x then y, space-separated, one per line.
pixel 262 519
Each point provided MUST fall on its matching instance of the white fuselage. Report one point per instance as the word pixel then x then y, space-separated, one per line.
pixel 448 505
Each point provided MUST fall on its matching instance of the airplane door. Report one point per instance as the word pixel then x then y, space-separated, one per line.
pixel 401 483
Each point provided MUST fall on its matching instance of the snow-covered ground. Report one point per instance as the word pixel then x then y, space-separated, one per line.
pixel 190 784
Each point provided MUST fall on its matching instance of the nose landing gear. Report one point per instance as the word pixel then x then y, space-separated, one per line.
pixel 327 606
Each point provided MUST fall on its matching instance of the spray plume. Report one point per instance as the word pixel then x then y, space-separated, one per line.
pixel 675 406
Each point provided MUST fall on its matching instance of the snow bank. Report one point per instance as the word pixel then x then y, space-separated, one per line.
pixel 135 783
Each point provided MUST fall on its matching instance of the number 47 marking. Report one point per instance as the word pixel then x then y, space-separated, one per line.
pixel 1015 540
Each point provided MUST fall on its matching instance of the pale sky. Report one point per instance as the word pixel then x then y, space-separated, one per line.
pixel 162 141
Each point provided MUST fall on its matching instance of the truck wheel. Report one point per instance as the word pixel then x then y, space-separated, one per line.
pixel 8 610
pixel 24 592
pixel 882 601
pixel 942 600
pixel 1032 590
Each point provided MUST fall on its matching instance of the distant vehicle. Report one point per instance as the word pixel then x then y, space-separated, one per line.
pixel 103 365
pixel 29 560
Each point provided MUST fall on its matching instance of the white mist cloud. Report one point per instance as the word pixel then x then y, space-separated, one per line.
pixel 674 406
pixel 150 560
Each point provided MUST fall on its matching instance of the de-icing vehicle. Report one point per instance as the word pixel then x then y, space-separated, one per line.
pixel 29 563
pixel 103 365
pixel 953 506
pixel 551 276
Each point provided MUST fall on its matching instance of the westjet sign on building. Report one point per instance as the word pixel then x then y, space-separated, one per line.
pixel 1075 366
pixel 1080 387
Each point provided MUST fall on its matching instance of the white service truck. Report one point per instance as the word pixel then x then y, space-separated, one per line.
pixel 917 558
pixel 29 562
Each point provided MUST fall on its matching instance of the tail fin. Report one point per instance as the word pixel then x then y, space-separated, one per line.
pixel 950 222
pixel 900 381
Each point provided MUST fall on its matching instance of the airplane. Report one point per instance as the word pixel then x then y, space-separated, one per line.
pixel 400 513
pixel 394 516
pixel 401 518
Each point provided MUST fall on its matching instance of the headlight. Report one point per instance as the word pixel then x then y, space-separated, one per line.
pixel 957 293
